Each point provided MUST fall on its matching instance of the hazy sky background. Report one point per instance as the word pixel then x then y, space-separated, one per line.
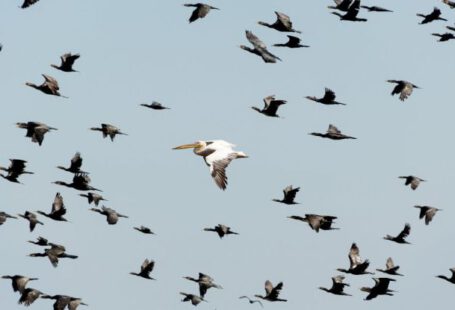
pixel 138 51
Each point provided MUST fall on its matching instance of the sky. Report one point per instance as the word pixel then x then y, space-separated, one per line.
pixel 139 51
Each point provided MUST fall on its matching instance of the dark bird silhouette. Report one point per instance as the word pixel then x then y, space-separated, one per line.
pixel 435 15
pixel 194 299
pixel 328 99
pixel 40 241
pixel 271 106
pixel 144 230
pixel 16 168
pixel 112 216
pixel 337 286
pixel 201 10
pixel 31 218
pixel 374 8
pixel 283 23
pixel 450 28
pixel 93 197
pixel 75 165
pixel 221 230
pixel 413 181
pixel 252 301
pixel 58 210
pixel 155 106
pixel 341 5
pixel 390 268
pixel 293 42
pixel 35 130
pixel 271 292
pixel 49 86
pixel 400 238
pixel 28 3
pixel 205 282
pixel 109 130
pixel 451 4
pixel 317 222
pixel 352 12
pixel 289 194
pixel 332 133
pixel 55 252
pixel 28 296
pixel 404 88
pixel 80 182
pixel 67 62
pixel 19 282
pixel 451 279
pixel 444 36
pixel 63 301
pixel 381 287
pixel 357 266
pixel 75 302
pixel 427 212
pixel 4 216
pixel 146 269
pixel 259 49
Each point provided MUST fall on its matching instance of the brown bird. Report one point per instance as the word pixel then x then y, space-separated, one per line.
pixel 293 42
pixel 271 292
pixel 328 99
pixel 221 230
pixel 4 216
pixel 146 269
pixel 412 181
pixel 451 279
pixel 63 301
pixel 28 296
pixel 58 209
pixel 31 217
pixel 283 23
pixel 428 18
pixel 75 165
pixel 357 266
pixel 205 282
pixel 194 299
pixel 390 268
pixel 16 168
pixel 289 194
pixel 381 287
pixel 401 236
pixel 332 133
pixel 112 216
pixel 55 252
pixel 427 212
pixel 67 61
pixel 404 88
pixel 49 86
pixel 109 130
pixel 19 282
pixel 316 222
pixel 93 197
pixel 35 131
pixel 337 286
pixel 259 49
pixel 201 10
pixel 271 106
pixel 451 4
pixel 28 3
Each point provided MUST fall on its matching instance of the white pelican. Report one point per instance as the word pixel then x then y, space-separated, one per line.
pixel 217 155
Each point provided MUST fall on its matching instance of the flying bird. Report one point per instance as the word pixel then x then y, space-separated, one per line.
pixel 40 241
pixel 404 88
pixel 63 301
pixel 271 106
pixel 93 197
pixel 205 282
pixel 390 268
pixel 283 23
pixel 35 130
pixel 351 13
pixel 201 10
pixel 451 279
pixel 109 130
pixel 58 209
pixel 401 237
pixel 55 252
pixel 28 296
pixel 144 230
pixel 112 216
pixel 434 15
pixel 357 266
pixel 32 219
pixel 316 221
pixel 146 269
pixel 80 182
pixel 443 37
pixel 332 133
pixel 16 168
pixel 4 216
pixel 49 86
pixel 327 99
pixel 293 42
pixel 337 286
pixel 19 282
pixel 252 301
pixel 194 299
pixel 341 5
pixel 155 106
pixel 259 49
pixel 67 62
pixel 427 212
pixel 272 293
pixel 451 4
pixel 217 154
pixel 374 8
pixel 289 194
pixel 381 287
pixel 75 165
pixel 28 3
pixel 221 230
pixel 413 181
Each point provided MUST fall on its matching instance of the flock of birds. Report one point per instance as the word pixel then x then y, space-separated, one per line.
pixel 217 154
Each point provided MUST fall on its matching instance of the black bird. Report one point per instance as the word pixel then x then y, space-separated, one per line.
pixel 404 88
pixel 427 212
pixel 289 194
pixel 15 169
pixel 49 86
pixel 58 210
pixel 435 15
pixel 451 279
pixel 328 99
pixel 450 28
pixel 271 292
pixel 357 266
pixel 444 36
pixel 332 133
pixel 144 230
pixel 93 197
pixel 381 287
pixel 67 61
pixel 112 216
pixel 205 282
pixel 293 42
pixel 35 130
pixel 401 236
pixel 259 49
pixel 271 106
pixel 252 301
pixel 283 23
pixel 201 10
pixel 4 216
pixel 374 8
pixel 146 269
pixel 80 182
pixel 28 296
pixel 390 268
pixel 31 217
pixel 337 286
pixel 194 299
pixel 55 252
pixel 109 130
pixel 351 14
pixel 316 221
pixel 451 4
pixel 40 241
pixel 63 301
pixel 221 230
pixel 155 106
pixel 75 165
pixel 19 282
pixel 28 3
pixel 413 181
pixel 341 5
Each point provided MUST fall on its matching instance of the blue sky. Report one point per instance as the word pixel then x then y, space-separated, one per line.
pixel 138 51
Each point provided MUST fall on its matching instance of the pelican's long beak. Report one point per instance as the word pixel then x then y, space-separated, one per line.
pixel 186 146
